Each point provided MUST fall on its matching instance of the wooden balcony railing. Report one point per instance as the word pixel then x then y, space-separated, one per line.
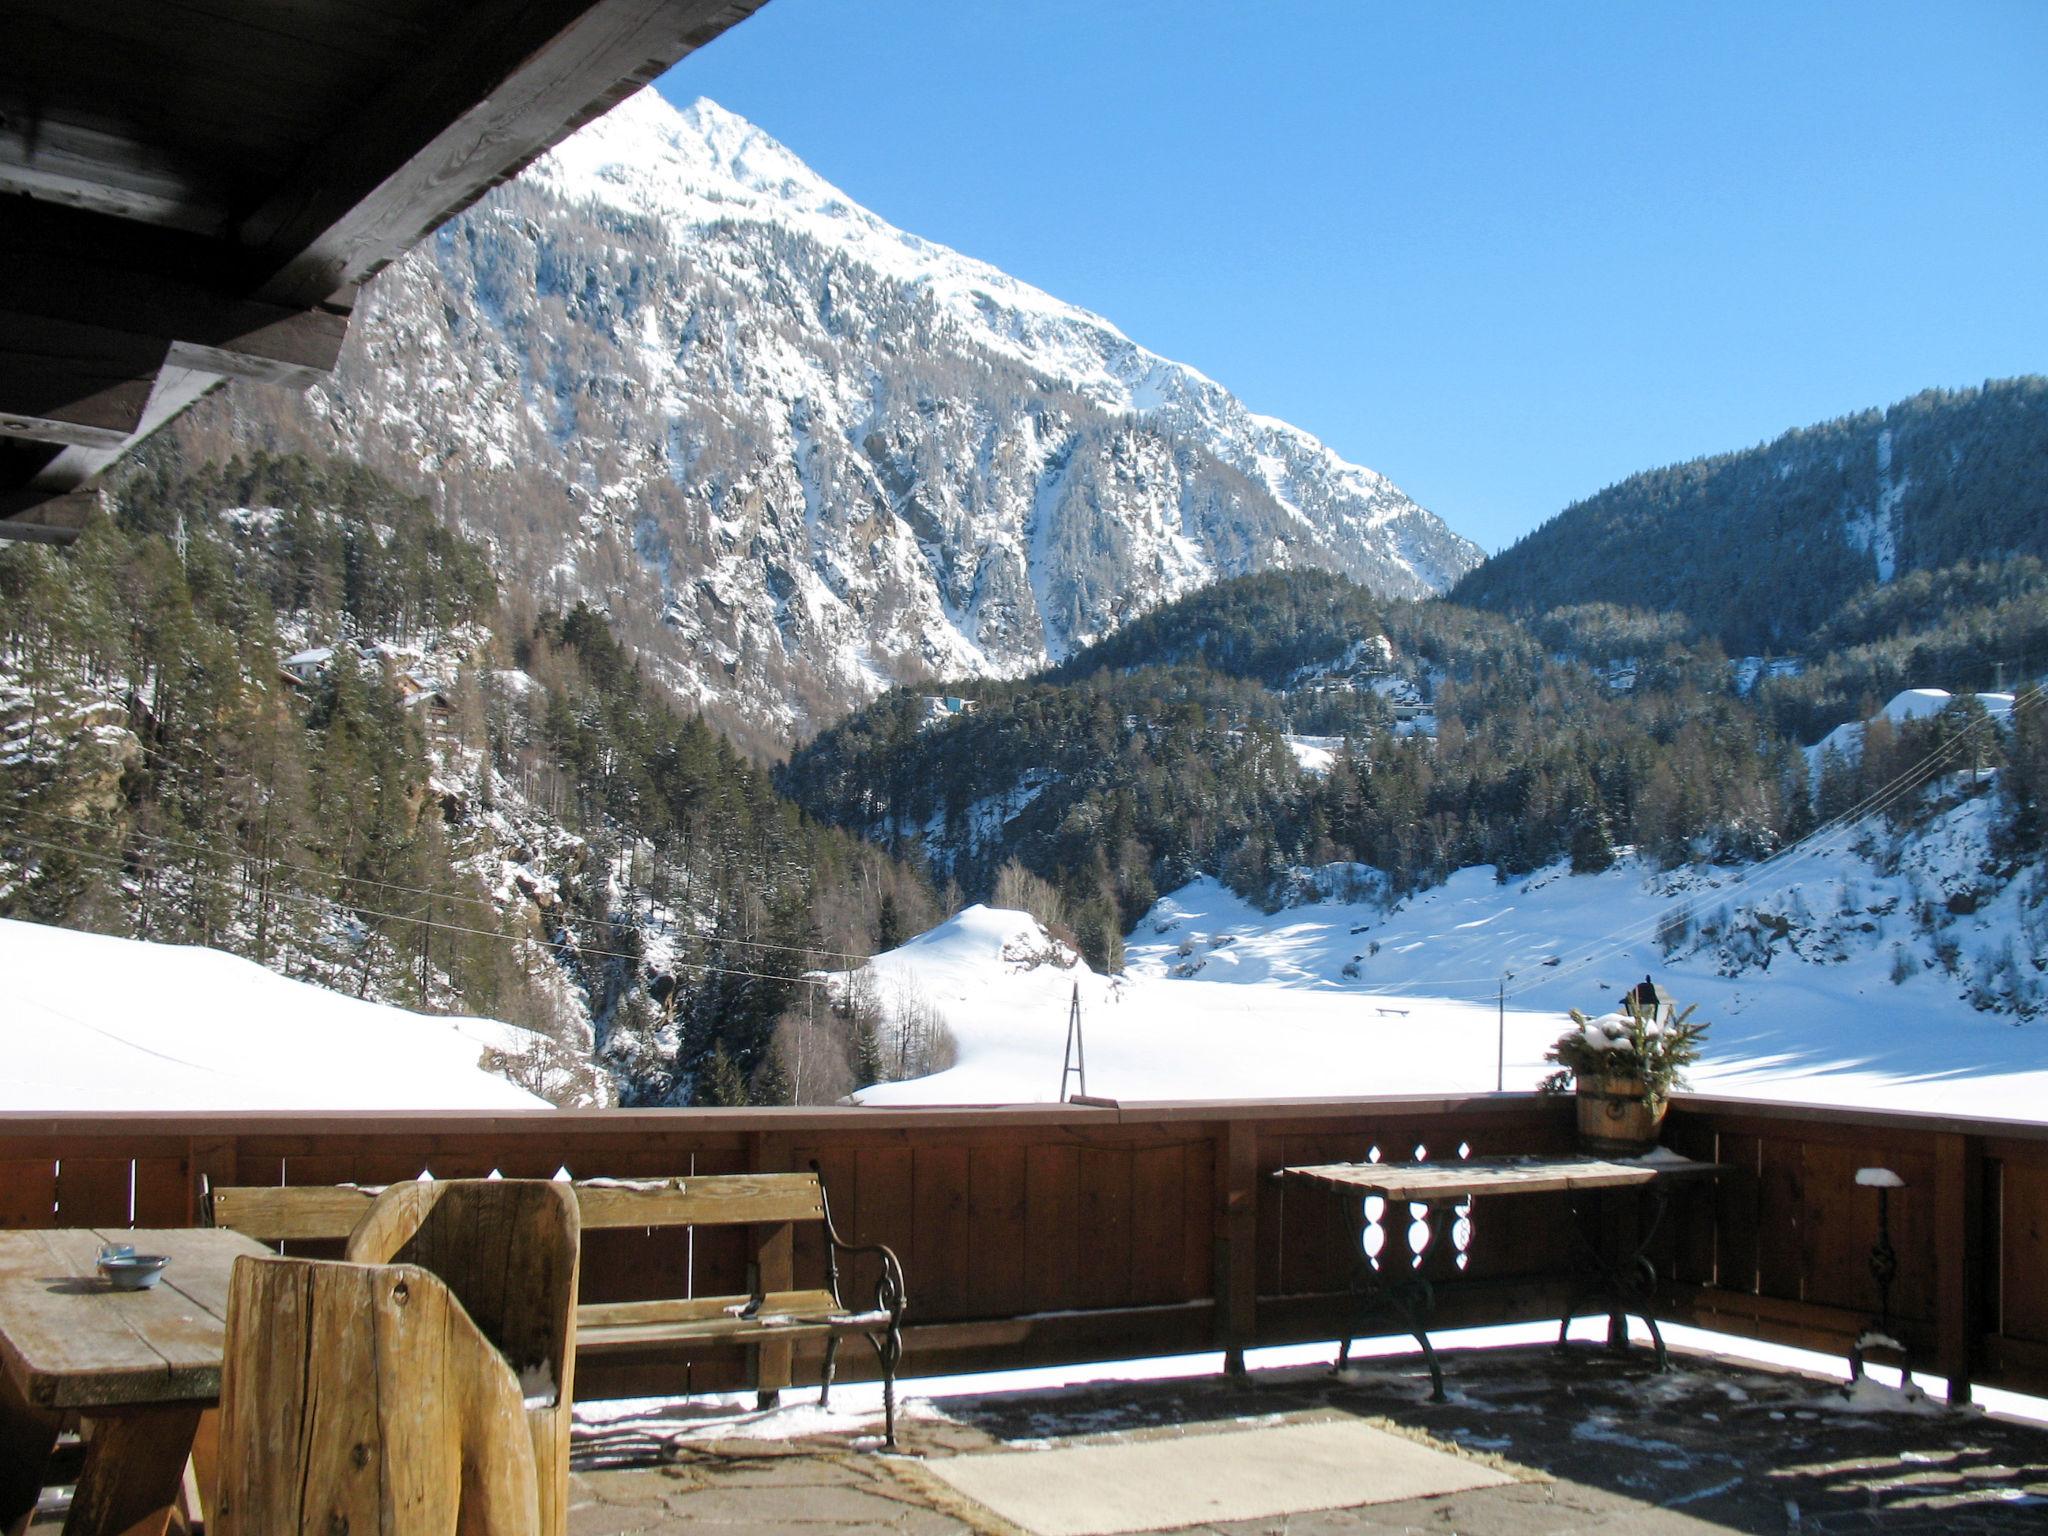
pixel 1063 1234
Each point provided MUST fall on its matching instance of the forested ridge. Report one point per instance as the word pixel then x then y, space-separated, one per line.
pixel 280 706
pixel 1454 737
pixel 1763 548
pixel 459 803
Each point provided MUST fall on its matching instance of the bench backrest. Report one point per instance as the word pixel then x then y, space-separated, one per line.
pixel 279 1213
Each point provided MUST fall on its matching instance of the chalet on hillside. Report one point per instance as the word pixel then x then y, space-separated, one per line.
pixel 309 666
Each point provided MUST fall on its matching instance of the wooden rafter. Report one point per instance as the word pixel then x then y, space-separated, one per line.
pixel 196 189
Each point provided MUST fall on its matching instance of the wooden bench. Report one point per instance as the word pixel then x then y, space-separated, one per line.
pixel 759 1318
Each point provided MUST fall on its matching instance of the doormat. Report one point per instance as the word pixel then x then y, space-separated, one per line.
pixel 1149 1485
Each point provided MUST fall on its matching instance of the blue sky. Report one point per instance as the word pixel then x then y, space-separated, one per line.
pixel 1505 253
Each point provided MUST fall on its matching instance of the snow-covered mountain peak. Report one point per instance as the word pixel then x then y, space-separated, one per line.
pixel 799 453
pixel 691 166
pixel 648 157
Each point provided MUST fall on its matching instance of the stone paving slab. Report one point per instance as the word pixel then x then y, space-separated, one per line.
pixel 1611 1446
pixel 1616 1450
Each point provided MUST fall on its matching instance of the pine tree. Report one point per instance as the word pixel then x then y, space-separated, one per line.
pixel 1592 844
pixel 722 1085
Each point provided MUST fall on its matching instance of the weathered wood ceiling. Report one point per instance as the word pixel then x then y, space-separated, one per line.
pixel 194 190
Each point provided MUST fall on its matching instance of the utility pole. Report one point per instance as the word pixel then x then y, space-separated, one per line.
pixel 1500 1057
pixel 1075 1063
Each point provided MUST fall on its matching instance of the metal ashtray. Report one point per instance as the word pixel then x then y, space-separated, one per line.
pixel 127 1270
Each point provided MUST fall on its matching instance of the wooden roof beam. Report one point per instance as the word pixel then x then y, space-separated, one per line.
pixel 509 79
pixel 25 507
pixel 86 269
pixel 53 520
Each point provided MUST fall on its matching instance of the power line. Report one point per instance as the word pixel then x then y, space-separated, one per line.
pixel 426 892
pixel 307 899
pixel 1906 782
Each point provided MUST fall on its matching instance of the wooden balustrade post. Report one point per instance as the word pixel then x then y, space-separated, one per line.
pixel 775 1253
pixel 1237 1227
pixel 1958 1257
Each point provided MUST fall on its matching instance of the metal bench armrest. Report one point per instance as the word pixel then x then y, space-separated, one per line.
pixel 891 1294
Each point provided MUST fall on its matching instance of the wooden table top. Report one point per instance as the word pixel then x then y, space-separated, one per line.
pixel 69 1340
pixel 1422 1182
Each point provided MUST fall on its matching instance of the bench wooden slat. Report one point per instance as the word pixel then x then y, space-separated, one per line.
pixel 625 1337
pixel 696 1309
pixel 712 1200
pixel 278 1213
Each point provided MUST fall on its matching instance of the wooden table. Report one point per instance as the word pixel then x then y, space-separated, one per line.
pixel 1624 1282
pixel 140 1366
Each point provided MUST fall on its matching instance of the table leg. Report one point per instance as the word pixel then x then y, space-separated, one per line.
pixel 27 1437
pixel 1621 1273
pixel 134 1471
pixel 1372 1294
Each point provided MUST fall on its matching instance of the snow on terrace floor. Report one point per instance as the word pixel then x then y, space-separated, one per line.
pixel 91 1022
pixel 1594 1442
pixel 1221 1000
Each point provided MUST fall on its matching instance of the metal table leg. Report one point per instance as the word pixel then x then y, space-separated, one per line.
pixel 1626 1283
pixel 1372 1295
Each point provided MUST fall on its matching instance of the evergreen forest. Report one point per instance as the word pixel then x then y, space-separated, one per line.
pixel 1764 548
pixel 450 801
pixel 1454 737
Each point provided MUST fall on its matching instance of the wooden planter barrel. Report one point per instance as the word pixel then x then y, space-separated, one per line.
pixel 1617 1116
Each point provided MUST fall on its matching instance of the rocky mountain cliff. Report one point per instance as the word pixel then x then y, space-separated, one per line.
pixel 798 454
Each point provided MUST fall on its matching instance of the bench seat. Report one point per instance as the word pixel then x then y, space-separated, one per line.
pixel 623 1327
pixel 760 1319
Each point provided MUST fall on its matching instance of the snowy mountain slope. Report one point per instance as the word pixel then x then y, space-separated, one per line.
pixel 1766 546
pixel 1846 741
pixel 798 453
pixel 692 169
pixel 100 1023
pixel 1826 980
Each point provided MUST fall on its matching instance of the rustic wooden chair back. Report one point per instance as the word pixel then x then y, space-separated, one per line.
pixel 360 1400
pixel 507 1249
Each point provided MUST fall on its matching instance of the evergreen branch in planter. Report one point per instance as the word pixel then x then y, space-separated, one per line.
pixel 1632 1045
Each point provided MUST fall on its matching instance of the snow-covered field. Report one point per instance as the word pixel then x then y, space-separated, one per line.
pixel 89 1022
pixel 1794 965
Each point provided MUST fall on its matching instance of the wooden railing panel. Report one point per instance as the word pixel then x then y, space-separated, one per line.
pixel 1841 1228
pixel 1197 1234
pixel 163 1192
pixel 938 1247
pixel 94 1191
pixel 1160 1223
pixel 884 1210
pixel 1781 1212
pixel 28 1192
pixel 1052 1227
pixel 1738 1209
pixel 1311 1248
pixel 1103 1271
pixel 2022 1260
pixel 998 1216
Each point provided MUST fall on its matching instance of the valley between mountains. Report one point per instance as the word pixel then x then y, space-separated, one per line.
pixel 710 646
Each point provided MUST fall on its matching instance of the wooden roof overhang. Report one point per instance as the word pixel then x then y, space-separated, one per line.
pixel 193 191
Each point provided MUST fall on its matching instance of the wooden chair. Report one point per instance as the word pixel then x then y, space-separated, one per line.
pixel 508 1250
pixel 360 1400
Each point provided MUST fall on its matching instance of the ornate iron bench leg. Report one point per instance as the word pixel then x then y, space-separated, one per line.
pixel 888 1350
pixel 831 1364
